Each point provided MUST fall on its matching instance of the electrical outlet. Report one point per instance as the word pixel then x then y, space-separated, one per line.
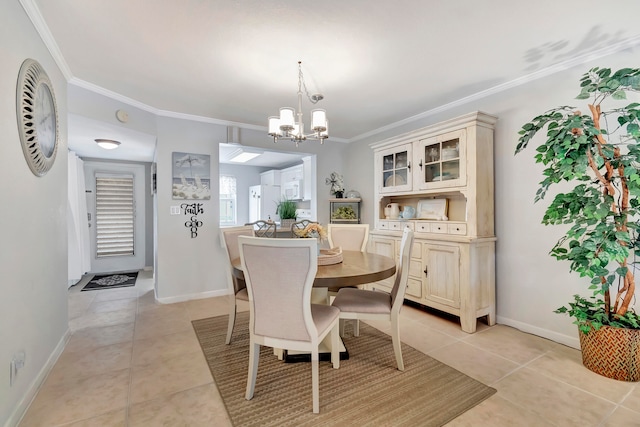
pixel 16 364
pixel 175 210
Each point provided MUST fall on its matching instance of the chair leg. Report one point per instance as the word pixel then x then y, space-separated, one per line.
pixel 341 324
pixel 335 347
pixel 232 318
pixel 254 358
pixel 356 328
pixel 397 345
pixel 315 382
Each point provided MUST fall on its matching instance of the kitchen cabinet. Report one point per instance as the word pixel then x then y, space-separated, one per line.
pixel 448 165
pixel 291 182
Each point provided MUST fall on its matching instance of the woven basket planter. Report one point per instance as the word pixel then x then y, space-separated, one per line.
pixel 612 352
pixel 285 224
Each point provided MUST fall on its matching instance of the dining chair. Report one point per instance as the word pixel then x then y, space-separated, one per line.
pixel 300 225
pixel 350 237
pixel 362 304
pixel 279 274
pixel 236 287
pixel 264 228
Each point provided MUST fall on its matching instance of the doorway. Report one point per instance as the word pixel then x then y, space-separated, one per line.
pixel 129 253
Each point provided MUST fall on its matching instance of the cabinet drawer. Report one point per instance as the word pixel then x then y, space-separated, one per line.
pixel 414 288
pixel 439 228
pixel 383 225
pixel 460 229
pixel 396 225
pixel 423 227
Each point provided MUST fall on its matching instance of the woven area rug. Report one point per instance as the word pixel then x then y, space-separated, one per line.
pixel 109 281
pixel 367 390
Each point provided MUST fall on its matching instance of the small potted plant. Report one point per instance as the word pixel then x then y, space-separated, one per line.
pixel 599 153
pixel 286 210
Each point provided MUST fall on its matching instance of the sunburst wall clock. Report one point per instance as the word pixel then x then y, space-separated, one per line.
pixel 37 117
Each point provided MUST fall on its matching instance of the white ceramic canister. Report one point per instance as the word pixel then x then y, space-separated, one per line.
pixel 387 212
pixel 394 210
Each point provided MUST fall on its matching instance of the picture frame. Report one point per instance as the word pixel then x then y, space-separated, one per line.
pixel 191 176
pixel 432 209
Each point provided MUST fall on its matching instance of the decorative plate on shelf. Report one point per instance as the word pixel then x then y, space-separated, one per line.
pixel 399 181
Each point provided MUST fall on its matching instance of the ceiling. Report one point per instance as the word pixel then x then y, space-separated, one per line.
pixel 378 63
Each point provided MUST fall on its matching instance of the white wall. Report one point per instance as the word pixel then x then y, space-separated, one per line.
pixel 530 283
pixel 33 247
pixel 188 267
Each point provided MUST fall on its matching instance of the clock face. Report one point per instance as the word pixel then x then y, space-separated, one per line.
pixel 45 120
pixel 37 117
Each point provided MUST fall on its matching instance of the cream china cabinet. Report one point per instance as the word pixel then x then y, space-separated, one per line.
pixel 445 173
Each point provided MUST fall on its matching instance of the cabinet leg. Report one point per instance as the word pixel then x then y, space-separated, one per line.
pixel 468 324
pixel 491 317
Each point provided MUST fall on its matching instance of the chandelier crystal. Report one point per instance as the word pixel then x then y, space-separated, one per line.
pixel 289 124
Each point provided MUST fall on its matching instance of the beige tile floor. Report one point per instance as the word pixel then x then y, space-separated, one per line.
pixel 125 365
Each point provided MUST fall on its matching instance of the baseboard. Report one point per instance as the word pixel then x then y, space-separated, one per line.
pixel 571 341
pixel 21 408
pixel 188 297
pixel 148 268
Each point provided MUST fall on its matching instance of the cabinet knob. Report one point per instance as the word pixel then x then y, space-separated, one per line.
pixel 426 271
pixel 420 164
pixel 409 166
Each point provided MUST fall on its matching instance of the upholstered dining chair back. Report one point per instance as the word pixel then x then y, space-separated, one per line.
pixel 237 289
pixel 229 237
pixel 350 237
pixel 262 228
pixel 279 274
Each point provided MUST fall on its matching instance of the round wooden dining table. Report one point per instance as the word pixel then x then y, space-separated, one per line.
pixel 356 268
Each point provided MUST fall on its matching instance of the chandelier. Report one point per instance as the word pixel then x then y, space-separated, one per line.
pixel 290 125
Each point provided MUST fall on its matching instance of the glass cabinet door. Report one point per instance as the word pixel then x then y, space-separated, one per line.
pixel 441 161
pixel 395 169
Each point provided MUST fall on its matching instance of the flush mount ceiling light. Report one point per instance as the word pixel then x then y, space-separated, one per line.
pixel 107 144
pixel 286 126
pixel 241 156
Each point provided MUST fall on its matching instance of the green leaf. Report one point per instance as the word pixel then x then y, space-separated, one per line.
pixel 619 94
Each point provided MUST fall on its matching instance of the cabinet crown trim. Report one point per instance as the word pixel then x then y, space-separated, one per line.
pixel 477 118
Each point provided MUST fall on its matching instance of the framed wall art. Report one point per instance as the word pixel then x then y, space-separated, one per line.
pixel 191 176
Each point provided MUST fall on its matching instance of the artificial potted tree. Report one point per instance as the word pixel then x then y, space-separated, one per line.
pixel 286 210
pixel 598 153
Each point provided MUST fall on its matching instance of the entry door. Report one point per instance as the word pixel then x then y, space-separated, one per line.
pixel 132 257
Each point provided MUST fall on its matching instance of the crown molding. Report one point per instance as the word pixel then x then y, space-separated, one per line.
pixel 41 27
pixel 564 65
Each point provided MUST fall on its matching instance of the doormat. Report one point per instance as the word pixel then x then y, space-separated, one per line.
pixel 110 281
